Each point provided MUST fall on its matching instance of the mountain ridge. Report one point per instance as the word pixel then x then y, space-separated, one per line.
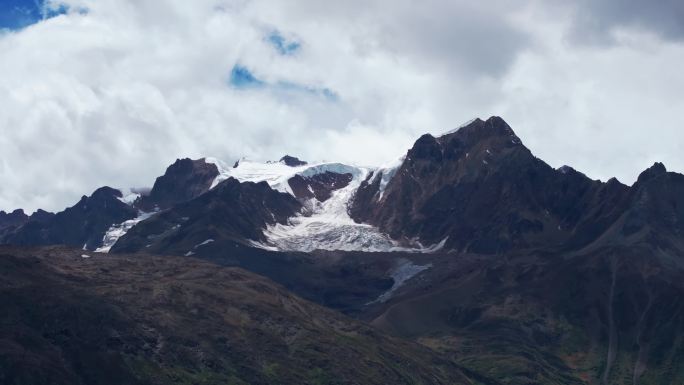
pixel 483 158
pixel 513 271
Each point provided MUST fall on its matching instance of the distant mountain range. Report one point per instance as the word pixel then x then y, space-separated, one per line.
pixel 494 266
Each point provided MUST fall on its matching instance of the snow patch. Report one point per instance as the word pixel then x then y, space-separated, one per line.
pixel 263 246
pixel 276 174
pixel 433 248
pixel 386 173
pixel 459 127
pixel 129 195
pixel 119 230
pixel 208 241
pixel 192 252
pixel 85 256
pixel 401 274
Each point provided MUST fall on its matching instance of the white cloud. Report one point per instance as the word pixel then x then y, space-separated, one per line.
pixel 115 94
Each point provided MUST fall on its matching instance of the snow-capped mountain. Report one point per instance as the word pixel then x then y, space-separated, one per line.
pixel 468 237
pixel 476 188
pixel 325 191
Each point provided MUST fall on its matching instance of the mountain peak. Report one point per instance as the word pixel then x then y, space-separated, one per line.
pixel 292 161
pixel 652 172
pixel 15 212
pixel 14 218
pixel 185 179
pixel 478 129
pixel 41 215
pixel 426 147
pixel 565 169
pixel 106 191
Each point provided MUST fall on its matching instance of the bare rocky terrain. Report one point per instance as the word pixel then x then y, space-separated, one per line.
pixel 75 318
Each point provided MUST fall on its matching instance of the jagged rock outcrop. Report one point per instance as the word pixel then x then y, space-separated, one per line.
pixel 655 215
pixel 82 225
pixel 12 219
pixel 231 212
pixel 183 180
pixel 41 215
pixel 292 161
pixel 319 186
pixel 481 190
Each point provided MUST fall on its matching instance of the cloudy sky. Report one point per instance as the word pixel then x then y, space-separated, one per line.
pixel 109 92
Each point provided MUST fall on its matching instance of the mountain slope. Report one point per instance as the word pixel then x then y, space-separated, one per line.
pixel 184 180
pixel 613 315
pixel 320 220
pixel 232 211
pixel 131 319
pixel 12 219
pixel 469 245
pixel 480 189
pixel 82 225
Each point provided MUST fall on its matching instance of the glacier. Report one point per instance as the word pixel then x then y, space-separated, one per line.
pixel 320 225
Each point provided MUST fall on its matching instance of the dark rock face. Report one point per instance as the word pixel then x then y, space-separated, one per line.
pixel 483 190
pixel 652 172
pixel 232 211
pixel 184 180
pixel 10 221
pixel 319 186
pixel 85 224
pixel 13 219
pixel 292 161
pixel 655 214
pixel 41 216
pixel 82 225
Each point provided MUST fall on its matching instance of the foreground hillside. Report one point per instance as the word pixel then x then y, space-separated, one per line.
pixel 612 315
pixel 74 318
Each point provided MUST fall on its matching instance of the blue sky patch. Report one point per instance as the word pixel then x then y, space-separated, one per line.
pixel 241 77
pixel 17 14
pixel 283 45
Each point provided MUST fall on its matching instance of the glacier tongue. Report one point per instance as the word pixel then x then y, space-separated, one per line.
pixel 329 227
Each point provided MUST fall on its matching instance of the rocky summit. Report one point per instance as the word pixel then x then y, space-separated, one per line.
pixel 467 261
